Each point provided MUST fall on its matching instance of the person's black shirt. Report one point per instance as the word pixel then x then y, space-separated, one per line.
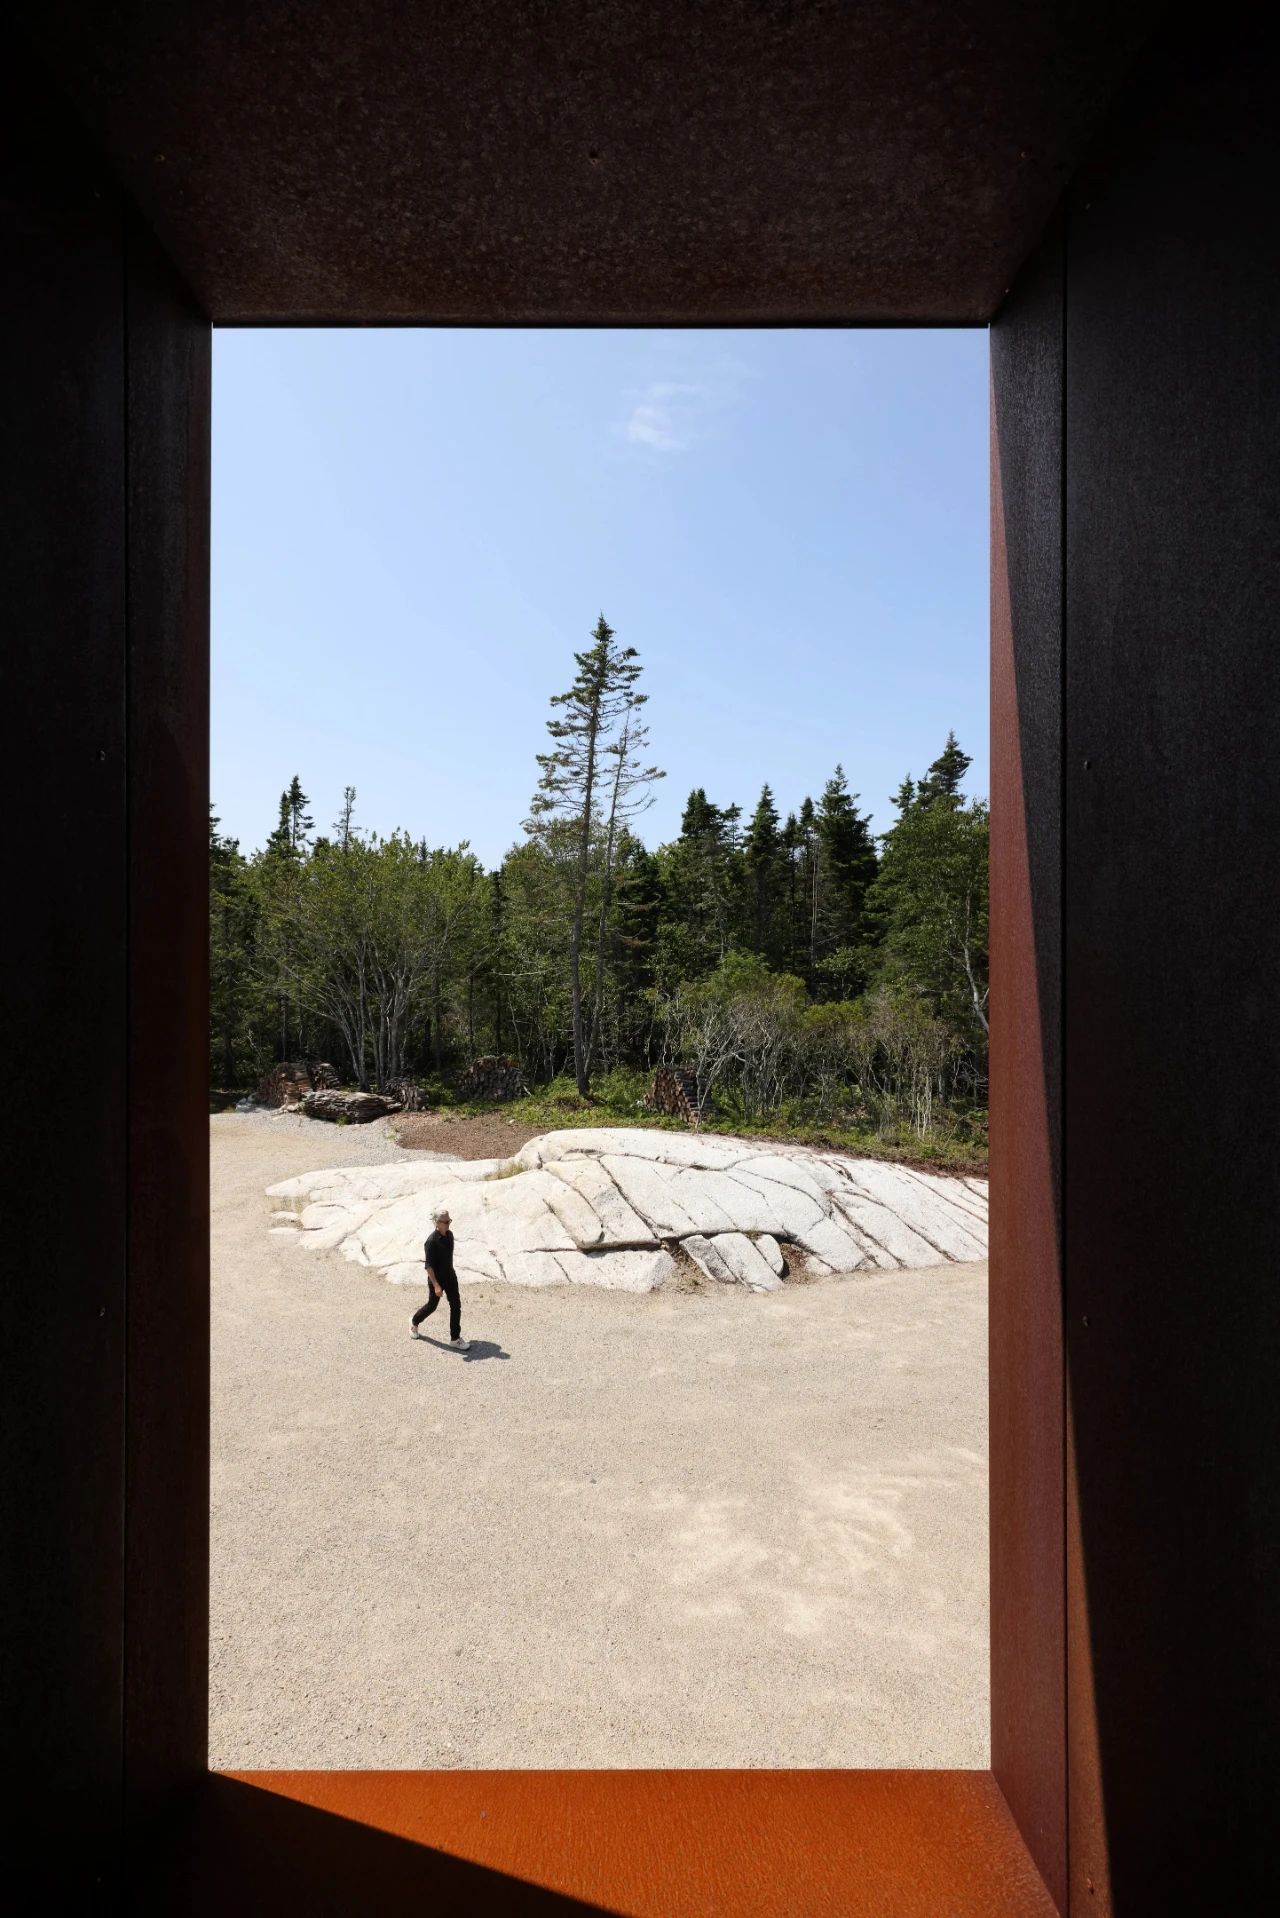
pixel 439 1251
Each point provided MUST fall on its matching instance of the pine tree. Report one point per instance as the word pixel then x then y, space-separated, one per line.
pixel 570 786
pixel 627 783
pixel 791 841
pixel 300 821
pixel 808 872
pixel 847 864
pixel 294 824
pixel 279 841
pixel 763 856
pixel 342 824
pixel 702 878
pixel 944 777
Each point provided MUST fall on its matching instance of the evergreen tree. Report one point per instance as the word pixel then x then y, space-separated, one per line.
pixel 807 855
pixel 342 825
pixel 701 883
pixel 294 824
pixel 627 784
pixel 234 998
pixel 570 786
pixel 791 841
pixel 300 821
pixel 944 778
pixel 763 857
pixel 847 865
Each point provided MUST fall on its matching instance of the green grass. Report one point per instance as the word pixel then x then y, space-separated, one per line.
pixel 618 1099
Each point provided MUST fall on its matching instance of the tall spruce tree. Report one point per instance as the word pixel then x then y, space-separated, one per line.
pixel 847 864
pixel 763 857
pixel 701 870
pixel 946 775
pixel 627 786
pixel 809 878
pixel 570 787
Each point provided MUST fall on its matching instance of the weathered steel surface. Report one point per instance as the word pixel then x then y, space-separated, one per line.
pixel 674 1844
pixel 65 955
pixel 1172 953
pixel 1028 1706
pixel 564 161
pixel 167 1565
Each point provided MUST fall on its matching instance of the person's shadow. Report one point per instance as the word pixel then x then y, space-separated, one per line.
pixel 480 1348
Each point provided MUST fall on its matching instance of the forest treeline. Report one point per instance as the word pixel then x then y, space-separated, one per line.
pixel 808 972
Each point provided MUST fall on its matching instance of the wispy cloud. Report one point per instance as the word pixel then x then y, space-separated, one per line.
pixel 664 416
pixel 670 416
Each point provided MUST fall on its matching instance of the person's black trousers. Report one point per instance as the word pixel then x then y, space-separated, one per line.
pixel 450 1285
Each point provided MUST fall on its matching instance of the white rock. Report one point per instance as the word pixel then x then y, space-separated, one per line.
pixel 747 1264
pixel 834 1242
pixel 798 1175
pixel 722 1202
pixel 574 1214
pixel 703 1253
pixel 618 1224
pixel 771 1252
pixel 786 1209
pixel 734 1259
pixel 408 1272
pixel 650 1190
pixel 925 1204
pixel 589 1207
pixel 639 1269
pixel 634 1142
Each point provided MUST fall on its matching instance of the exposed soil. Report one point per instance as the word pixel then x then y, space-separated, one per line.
pixel 484 1135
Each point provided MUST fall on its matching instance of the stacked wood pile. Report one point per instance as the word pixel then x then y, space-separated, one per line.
pixel 289 1083
pixel 494 1077
pixel 407 1094
pixel 285 1085
pixel 357 1108
pixel 675 1092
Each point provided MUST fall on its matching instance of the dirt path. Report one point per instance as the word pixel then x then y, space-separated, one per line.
pixel 711 1529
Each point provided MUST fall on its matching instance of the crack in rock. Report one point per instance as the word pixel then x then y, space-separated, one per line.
pixel 597 1205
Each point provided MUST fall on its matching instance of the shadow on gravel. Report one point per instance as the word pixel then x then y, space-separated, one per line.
pixel 480 1348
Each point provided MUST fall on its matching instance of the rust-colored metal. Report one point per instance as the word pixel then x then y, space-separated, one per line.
pixel 670 1844
pixel 166 1640
pixel 1028 1707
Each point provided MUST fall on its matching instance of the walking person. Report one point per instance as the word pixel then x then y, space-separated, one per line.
pixel 442 1279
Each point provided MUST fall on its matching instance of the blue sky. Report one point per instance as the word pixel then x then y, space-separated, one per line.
pixel 414 530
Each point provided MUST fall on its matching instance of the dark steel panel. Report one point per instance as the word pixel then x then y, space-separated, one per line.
pixel 65 986
pixel 570 162
pixel 1172 959
pixel 675 1844
pixel 167 1590
pixel 1028 1707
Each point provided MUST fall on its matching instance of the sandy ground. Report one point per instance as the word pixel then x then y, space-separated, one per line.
pixel 700 1528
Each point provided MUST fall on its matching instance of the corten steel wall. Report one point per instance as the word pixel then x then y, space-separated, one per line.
pixel 1172 956
pixel 1147 348
pixel 105 1454
pixel 65 980
pixel 1028 1650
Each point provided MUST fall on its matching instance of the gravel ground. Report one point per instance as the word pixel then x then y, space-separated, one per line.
pixel 692 1528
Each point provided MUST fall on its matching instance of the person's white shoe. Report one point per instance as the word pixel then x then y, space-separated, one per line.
pixel 461 1345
